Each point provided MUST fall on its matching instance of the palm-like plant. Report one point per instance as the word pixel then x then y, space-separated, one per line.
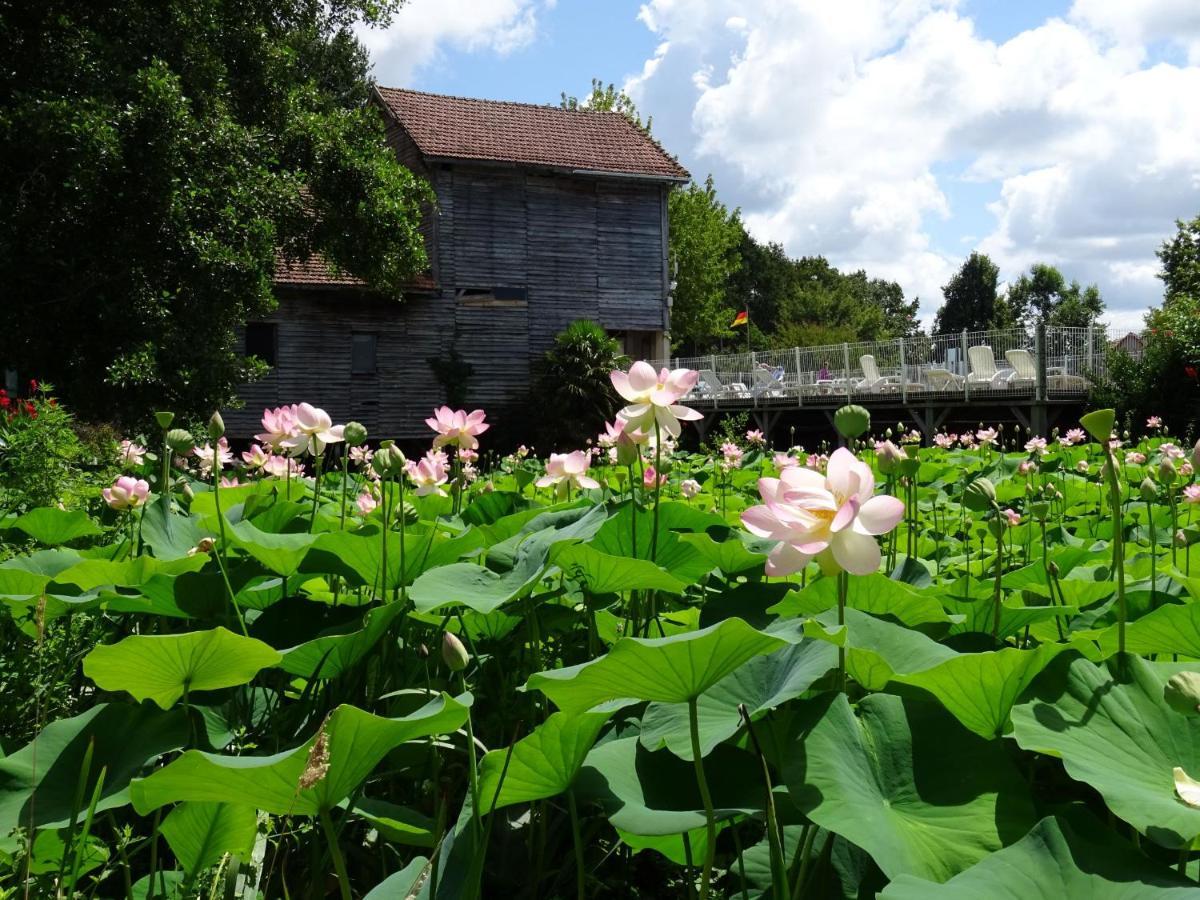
pixel 573 382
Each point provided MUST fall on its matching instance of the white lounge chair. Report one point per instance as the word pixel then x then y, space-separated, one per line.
pixel 1025 371
pixel 983 368
pixel 712 386
pixel 943 380
pixel 768 382
pixel 873 382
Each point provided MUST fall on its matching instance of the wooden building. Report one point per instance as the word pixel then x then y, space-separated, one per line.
pixel 542 216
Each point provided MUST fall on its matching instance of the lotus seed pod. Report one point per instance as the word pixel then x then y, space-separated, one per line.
pixel 388 461
pixel 164 419
pixel 181 441
pixel 216 426
pixel 1039 509
pixel 355 434
pixel 1182 693
pixel 851 421
pixel 1149 490
pixel 454 654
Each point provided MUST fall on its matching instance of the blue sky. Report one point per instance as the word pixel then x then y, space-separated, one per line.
pixel 892 135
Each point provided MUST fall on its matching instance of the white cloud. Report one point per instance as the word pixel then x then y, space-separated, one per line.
pixel 423 29
pixel 833 126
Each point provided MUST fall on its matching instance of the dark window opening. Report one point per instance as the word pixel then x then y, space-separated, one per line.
pixel 493 296
pixel 362 360
pixel 261 341
pixel 509 293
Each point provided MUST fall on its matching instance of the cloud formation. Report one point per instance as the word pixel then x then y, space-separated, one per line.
pixel 878 132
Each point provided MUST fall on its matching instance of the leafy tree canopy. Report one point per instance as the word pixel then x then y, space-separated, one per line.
pixel 1043 296
pixel 972 302
pixel 154 156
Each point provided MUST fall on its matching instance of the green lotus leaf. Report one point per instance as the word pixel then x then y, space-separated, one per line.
pixel 605 574
pixel 355 741
pixel 1060 857
pixel 52 526
pixel 201 833
pixel 543 764
pixel 672 669
pixel 1113 730
pixel 329 655
pixel 907 783
pixel 163 668
pixel 38 782
pixel 762 683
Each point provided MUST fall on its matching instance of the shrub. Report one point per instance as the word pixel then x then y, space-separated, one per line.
pixel 573 384
pixel 39 452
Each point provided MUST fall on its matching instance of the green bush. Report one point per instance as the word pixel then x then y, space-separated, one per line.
pixel 573 384
pixel 40 453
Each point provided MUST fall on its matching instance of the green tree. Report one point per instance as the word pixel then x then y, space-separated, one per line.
pixel 971 299
pixel 705 238
pixel 1043 296
pixel 607 98
pixel 154 157
pixel 573 381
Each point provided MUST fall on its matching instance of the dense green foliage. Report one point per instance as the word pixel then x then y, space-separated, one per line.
pixel 154 157
pixel 972 300
pixel 233 690
pixel 1043 296
pixel 573 383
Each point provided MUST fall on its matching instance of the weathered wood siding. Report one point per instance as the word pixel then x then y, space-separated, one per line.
pixel 580 247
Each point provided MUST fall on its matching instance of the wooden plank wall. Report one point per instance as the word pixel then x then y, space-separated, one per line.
pixel 581 247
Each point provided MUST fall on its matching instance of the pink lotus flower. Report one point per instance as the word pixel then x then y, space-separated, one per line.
pixel 522 452
pixel 1077 436
pixel 732 453
pixel 278 467
pixel 206 454
pixel 1191 493
pixel 1013 518
pixel 278 426
pixel 1133 458
pixel 1027 467
pixel 567 470
pixel 689 487
pixel 1083 466
pixel 817 461
pixel 131 454
pixel 1186 469
pixel 428 474
pixel 361 455
pixel 126 493
pixel 1036 445
pixel 313 430
pixel 754 436
pixel 1172 451
pixel 968 441
pixel 229 482
pixel 945 441
pixel 986 436
pixel 785 461
pixel 365 504
pixel 457 426
pixel 466 455
pixel 832 518
pixel 653 398
pixel 651 479
pixel 1154 423
pixel 256 457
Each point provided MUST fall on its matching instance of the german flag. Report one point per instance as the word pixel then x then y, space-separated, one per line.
pixel 742 318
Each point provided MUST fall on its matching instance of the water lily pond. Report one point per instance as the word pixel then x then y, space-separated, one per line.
pixel 319 667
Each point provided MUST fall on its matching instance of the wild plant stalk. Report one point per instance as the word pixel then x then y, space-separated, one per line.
pixel 843 591
pixel 710 816
pixel 222 560
pixel 1114 489
pixel 318 458
pixel 345 480
pixel 335 851
pixel 578 842
pixel 774 841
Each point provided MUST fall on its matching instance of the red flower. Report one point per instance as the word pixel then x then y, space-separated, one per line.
pixel 33 385
pixel 1190 372
pixel 4 402
pixel 53 401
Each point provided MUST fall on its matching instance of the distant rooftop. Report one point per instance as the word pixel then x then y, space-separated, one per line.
pixel 446 127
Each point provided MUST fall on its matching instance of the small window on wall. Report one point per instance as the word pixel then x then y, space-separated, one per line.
pixel 362 360
pixel 261 341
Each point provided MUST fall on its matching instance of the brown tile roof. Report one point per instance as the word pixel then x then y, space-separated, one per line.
pixel 316 272
pixel 526 134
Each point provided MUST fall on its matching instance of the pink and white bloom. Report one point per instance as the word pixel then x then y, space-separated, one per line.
pixel 654 397
pixel 755 436
pixel 1013 517
pixel 967 440
pixel 126 493
pixel 466 455
pixel 131 454
pixel 361 455
pixel 1077 436
pixel 732 453
pixel 313 430
pixel 206 454
pixel 278 467
pixel 278 426
pixel 1083 466
pixel 256 457
pixel 1186 469
pixel 230 482
pixel 943 440
pixel 785 461
pixel 567 470
pixel 428 474
pixel 365 504
pixel 817 461
pixel 1036 445
pixel 651 479
pixel 987 436
pixel 457 427
pixel 1191 493
pixel 1154 423
pixel 1134 458
pixel 1172 451
pixel 832 518
pixel 1027 467
pixel 689 487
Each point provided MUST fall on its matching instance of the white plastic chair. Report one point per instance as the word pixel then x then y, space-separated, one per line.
pixel 983 368
pixel 714 387
pixel 1025 369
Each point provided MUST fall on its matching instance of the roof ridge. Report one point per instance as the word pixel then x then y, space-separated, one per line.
pixel 550 107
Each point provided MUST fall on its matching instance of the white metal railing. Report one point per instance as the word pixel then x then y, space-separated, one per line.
pixel 1036 364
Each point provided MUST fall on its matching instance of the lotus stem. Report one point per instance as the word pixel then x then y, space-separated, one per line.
pixel 843 590
pixel 335 851
pixel 575 835
pixel 709 814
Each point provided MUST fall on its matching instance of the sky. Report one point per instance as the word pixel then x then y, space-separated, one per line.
pixel 894 136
